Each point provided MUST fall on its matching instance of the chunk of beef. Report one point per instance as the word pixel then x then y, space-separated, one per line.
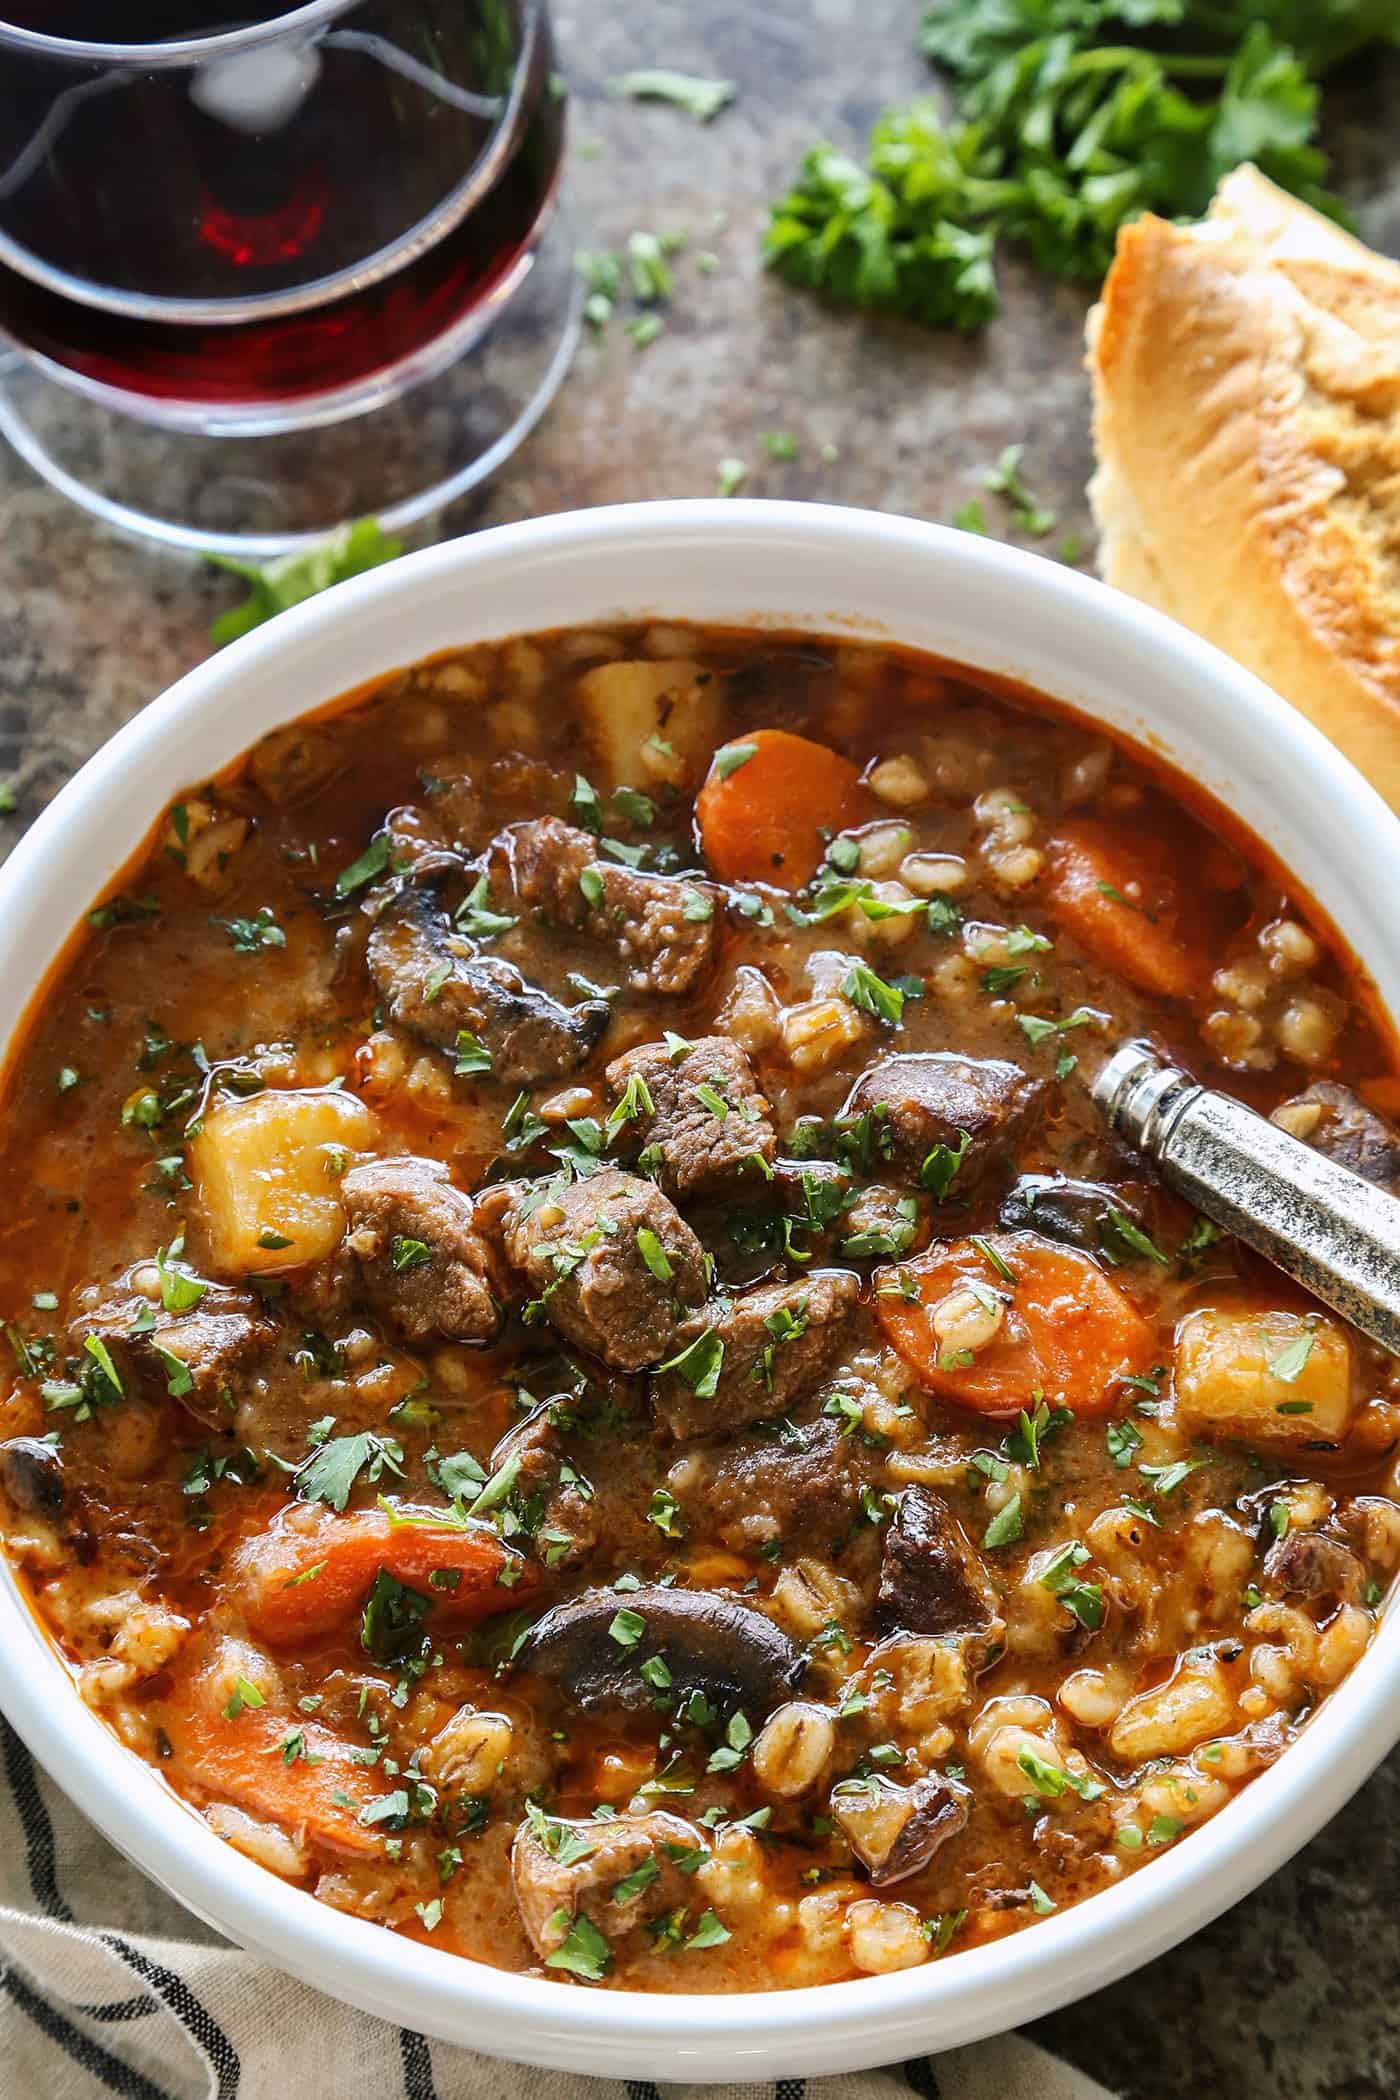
pixel 462 797
pixel 662 928
pixel 931 1579
pixel 895 1830
pixel 778 1342
pixel 567 1530
pixel 709 1643
pixel 1307 1564
pixel 31 1473
pixel 437 985
pixel 423 1265
pixel 613 1264
pixel 1337 1123
pixel 925 1099
pixel 601 1871
pixel 1076 1213
pixel 802 1482
pixel 708 1125
pixel 218 1343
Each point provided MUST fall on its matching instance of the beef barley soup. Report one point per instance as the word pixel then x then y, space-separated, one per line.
pixel 588 1385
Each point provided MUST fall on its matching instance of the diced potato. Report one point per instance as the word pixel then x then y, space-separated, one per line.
pixel 650 722
pixel 268 1173
pixel 1192 1705
pixel 1264 1374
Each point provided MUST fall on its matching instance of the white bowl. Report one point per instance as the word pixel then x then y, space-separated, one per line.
pixel 840 572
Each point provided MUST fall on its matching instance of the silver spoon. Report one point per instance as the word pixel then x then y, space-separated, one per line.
pixel 1334 1232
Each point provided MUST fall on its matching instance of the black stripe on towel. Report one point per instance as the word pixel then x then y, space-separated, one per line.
pixel 417 2060
pixel 41 1855
pixel 642 2089
pixel 921 2078
pixel 108 2070
pixel 196 2019
pixel 114 2015
pixel 790 2089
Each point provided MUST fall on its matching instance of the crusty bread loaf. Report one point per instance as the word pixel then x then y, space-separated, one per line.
pixel 1247 419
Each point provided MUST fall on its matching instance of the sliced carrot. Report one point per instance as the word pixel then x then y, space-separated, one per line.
pixel 312 1570
pixel 767 799
pixel 1069 1335
pixel 318 1793
pixel 1124 895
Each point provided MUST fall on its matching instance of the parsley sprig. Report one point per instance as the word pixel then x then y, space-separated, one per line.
pixel 1074 116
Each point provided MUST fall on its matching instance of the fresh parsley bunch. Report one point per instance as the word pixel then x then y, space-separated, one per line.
pixel 1074 116
pixel 894 235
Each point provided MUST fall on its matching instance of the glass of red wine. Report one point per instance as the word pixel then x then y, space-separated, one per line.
pixel 263 276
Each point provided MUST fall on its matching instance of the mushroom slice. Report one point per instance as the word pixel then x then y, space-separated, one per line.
pixel 31 1473
pixel 595 1644
pixel 895 1830
pixel 438 987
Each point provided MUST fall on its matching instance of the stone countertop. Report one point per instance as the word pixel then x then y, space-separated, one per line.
pixel 1290 1996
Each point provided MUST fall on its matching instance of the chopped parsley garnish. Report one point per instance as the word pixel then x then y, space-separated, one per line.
pixel 1166 1479
pixel 334 1467
pixel 635 1102
pixel 872 995
pixel 367 867
pixel 583 1951
pixel 1083 1599
pixel 243 1695
pixel 665 1513
pixel 699 1364
pixel 730 757
pixel 1006 1526
pixel 708 1933
pixel 474 916
pixel 1123 1439
pixel 1289 1363
pixel 471 1055
pixel 654 1254
pixel 391 1625
pixel 1120 1239
pixel 627 1627
pixel 408 1253
pixel 250 935
pixel 179 1290
pixel 586 807
pixel 630 803
pixel 1037 1028
pixel 940 1169
pixel 738 1735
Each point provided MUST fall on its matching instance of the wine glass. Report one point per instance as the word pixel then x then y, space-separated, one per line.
pixel 263 277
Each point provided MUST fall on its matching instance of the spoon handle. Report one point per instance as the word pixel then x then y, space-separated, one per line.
pixel 1337 1234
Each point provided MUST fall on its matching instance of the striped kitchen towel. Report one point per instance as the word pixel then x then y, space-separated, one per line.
pixel 109 1987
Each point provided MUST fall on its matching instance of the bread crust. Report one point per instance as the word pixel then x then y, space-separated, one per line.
pixel 1246 376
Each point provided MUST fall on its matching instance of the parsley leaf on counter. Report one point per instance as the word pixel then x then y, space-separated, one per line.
pixel 277 585
pixel 702 99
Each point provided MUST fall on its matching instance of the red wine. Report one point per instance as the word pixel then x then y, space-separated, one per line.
pixel 259 179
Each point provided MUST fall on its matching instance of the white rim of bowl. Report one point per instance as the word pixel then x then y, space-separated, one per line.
pixel 962 1997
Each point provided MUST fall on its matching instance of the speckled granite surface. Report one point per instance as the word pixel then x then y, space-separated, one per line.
pixel 1293 1995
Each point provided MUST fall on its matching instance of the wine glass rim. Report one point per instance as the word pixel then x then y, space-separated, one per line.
pixel 175 51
